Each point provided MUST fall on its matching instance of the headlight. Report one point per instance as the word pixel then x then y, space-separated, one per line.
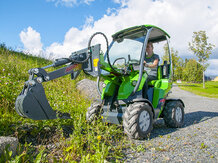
pixel 134 82
pixel 103 85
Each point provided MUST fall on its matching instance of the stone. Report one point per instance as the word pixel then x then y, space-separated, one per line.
pixel 12 141
pixel 88 88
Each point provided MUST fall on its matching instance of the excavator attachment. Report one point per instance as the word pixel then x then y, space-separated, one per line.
pixel 32 102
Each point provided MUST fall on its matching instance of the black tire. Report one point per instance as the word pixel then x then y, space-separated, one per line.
pixel 93 112
pixel 173 114
pixel 132 120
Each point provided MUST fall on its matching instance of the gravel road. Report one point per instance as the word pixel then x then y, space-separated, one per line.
pixel 196 141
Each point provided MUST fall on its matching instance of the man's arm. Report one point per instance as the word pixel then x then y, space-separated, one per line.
pixel 155 63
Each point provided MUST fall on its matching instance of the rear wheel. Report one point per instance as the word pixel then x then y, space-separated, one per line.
pixel 138 120
pixel 93 111
pixel 173 114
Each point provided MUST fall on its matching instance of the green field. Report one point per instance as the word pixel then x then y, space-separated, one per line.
pixel 211 88
pixel 78 140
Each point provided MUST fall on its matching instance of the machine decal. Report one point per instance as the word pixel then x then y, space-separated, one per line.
pixel 95 62
pixel 74 67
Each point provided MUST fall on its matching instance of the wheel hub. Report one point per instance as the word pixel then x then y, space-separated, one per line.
pixel 178 114
pixel 144 121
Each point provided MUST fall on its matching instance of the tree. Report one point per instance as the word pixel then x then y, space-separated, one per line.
pixel 177 62
pixel 202 49
pixel 179 65
pixel 165 57
pixel 192 71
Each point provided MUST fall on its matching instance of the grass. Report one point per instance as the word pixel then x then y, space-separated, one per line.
pixel 72 140
pixel 211 88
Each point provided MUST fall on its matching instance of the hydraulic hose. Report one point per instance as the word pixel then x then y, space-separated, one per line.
pixel 107 51
pixel 107 54
pixel 98 86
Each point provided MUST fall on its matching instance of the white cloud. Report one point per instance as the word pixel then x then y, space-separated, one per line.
pixel 179 18
pixel 31 40
pixel 69 45
pixel 88 1
pixel 89 21
pixel 122 2
pixel 70 3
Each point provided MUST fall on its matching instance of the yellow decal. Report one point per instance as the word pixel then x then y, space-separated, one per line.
pixel 95 62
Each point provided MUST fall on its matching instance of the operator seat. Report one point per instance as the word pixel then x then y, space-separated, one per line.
pixel 162 73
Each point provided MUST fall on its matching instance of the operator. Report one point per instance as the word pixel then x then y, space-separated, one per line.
pixel 151 63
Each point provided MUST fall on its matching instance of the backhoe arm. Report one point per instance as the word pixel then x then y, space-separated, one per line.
pixel 32 102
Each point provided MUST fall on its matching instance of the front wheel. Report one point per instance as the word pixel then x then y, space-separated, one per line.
pixel 173 114
pixel 138 120
pixel 93 111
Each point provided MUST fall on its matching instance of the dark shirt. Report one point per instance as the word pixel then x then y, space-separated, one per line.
pixel 150 61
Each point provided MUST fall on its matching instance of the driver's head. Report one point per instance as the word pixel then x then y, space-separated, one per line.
pixel 149 48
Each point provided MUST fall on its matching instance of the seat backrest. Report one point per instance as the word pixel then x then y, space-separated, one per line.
pixel 163 71
pixel 159 72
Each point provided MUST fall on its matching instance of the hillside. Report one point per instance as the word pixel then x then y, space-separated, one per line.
pixel 61 140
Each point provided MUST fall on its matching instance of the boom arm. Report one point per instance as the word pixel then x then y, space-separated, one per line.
pixel 32 102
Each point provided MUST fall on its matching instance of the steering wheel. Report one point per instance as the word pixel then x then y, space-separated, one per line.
pixel 119 59
pixel 122 67
pixel 134 62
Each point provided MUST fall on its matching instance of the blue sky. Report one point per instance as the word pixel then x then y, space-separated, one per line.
pixel 51 19
pixel 55 28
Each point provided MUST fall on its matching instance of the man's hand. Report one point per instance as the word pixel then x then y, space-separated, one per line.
pixel 145 64
pixel 154 65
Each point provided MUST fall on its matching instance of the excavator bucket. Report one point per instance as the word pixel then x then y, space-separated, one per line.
pixel 32 103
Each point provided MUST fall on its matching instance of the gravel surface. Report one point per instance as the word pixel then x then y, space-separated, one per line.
pixel 196 141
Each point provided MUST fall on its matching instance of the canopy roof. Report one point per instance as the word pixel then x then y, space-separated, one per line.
pixel 157 34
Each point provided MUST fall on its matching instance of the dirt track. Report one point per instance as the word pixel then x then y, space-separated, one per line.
pixel 196 141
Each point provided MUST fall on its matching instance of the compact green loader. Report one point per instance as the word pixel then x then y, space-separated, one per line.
pixel 125 98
